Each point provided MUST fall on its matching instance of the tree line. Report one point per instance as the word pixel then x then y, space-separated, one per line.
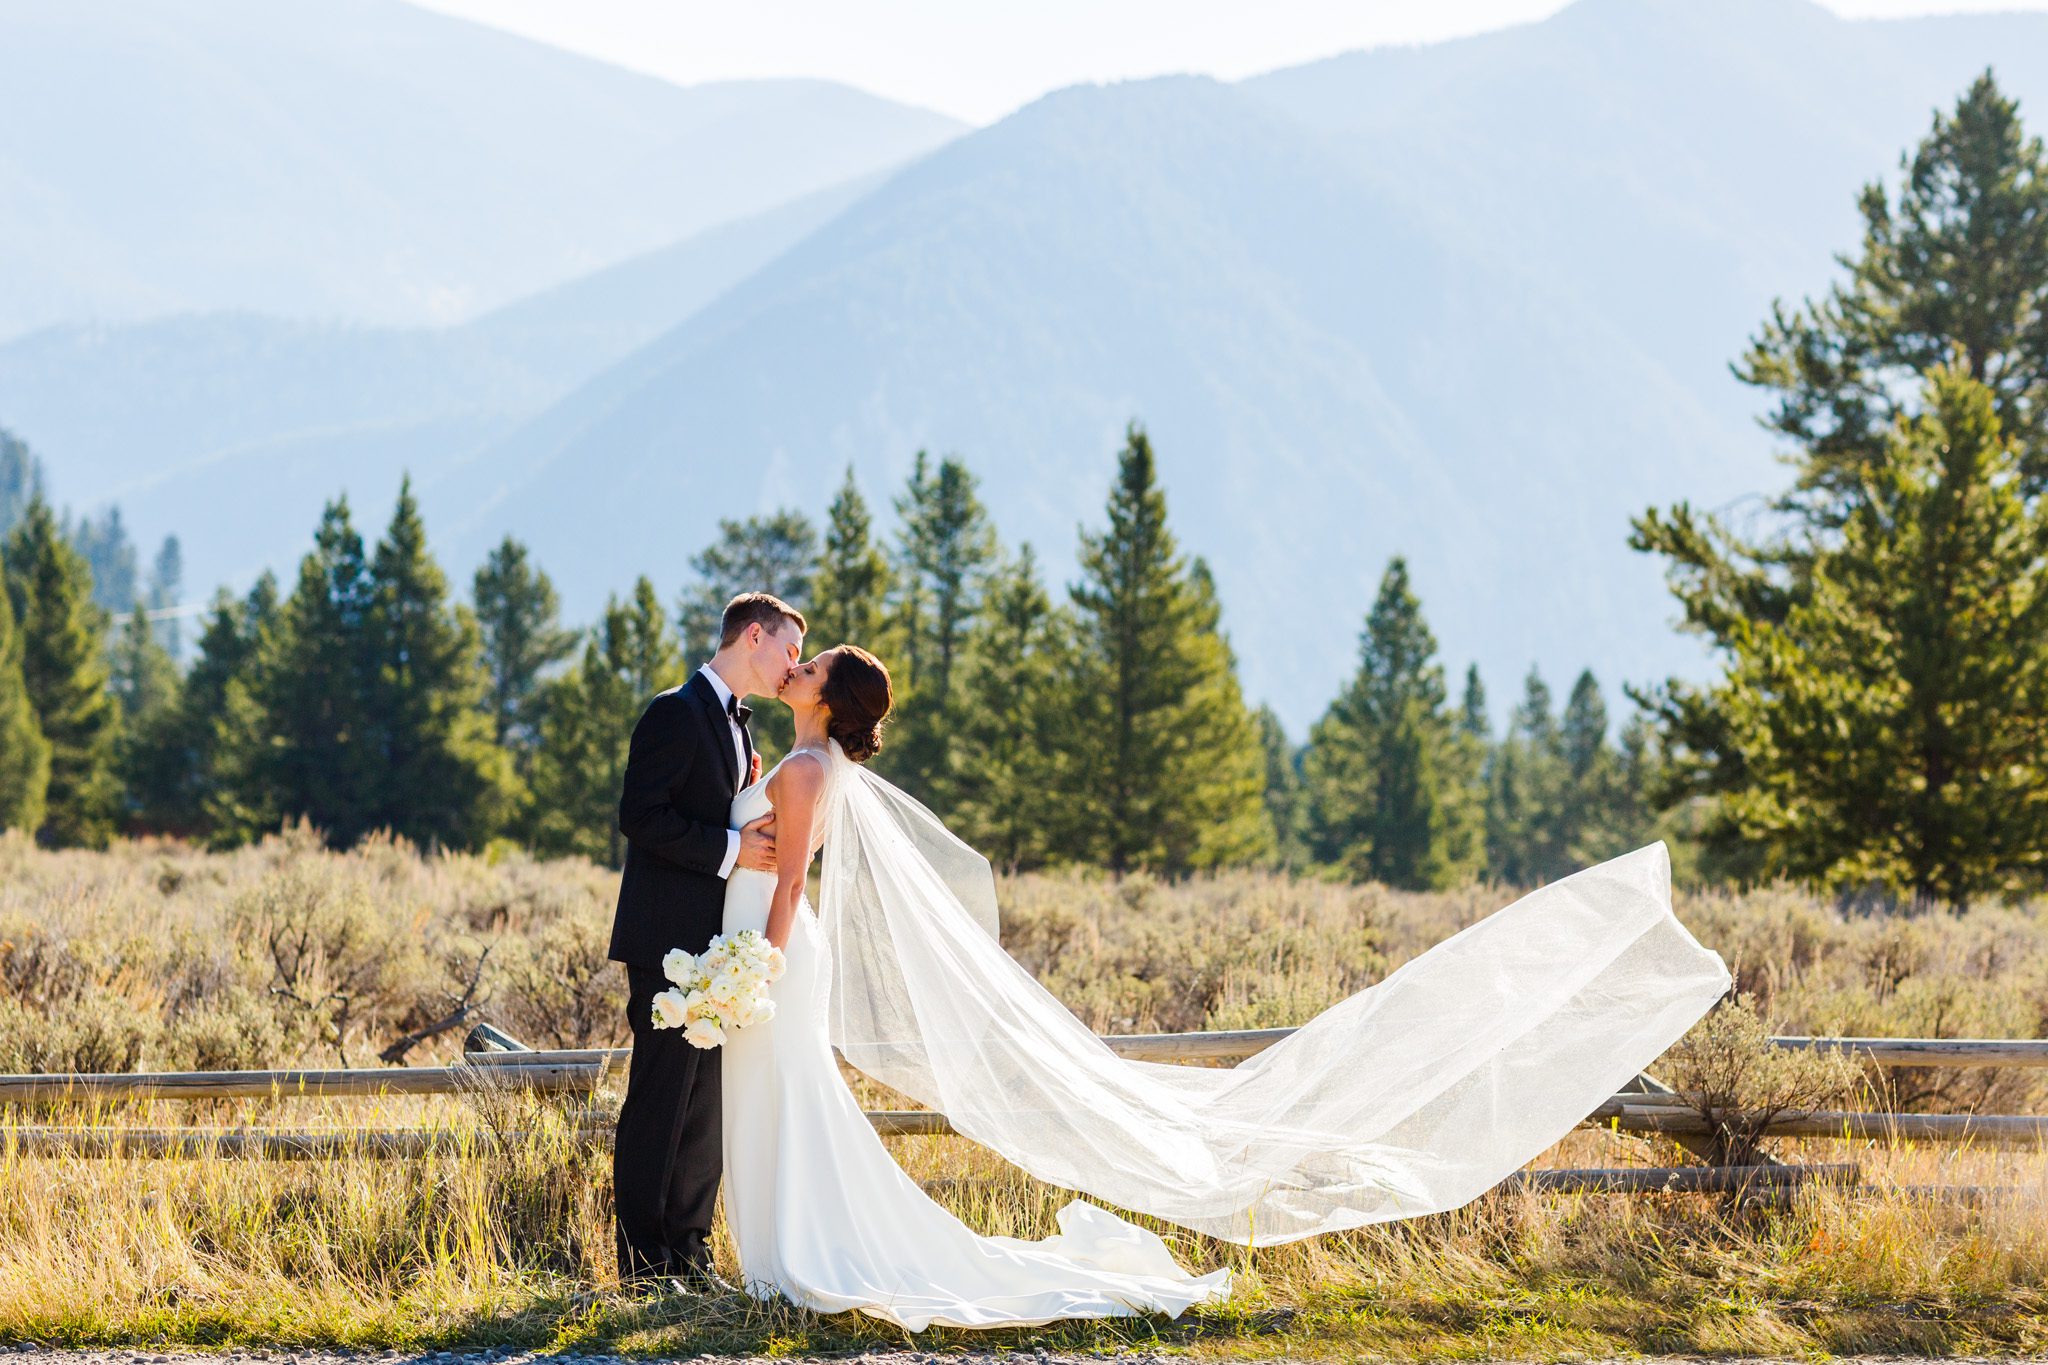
pixel 1103 724
pixel 1879 725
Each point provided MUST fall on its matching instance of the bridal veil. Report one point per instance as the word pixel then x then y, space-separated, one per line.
pixel 1411 1097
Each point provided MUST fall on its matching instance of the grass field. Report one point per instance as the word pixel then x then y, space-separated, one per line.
pixel 157 956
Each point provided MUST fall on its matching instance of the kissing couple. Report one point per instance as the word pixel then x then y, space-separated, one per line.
pixel 1413 1096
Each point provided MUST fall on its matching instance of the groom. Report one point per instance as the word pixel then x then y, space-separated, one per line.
pixel 690 755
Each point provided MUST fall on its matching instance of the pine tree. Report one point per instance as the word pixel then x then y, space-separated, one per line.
pixel 21 480
pixel 586 722
pixel 145 684
pixel 1473 720
pixel 775 554
pixel 1599 825
pixel 63 667
pixel 1887 730
pixel 1168 770
pixel 523 637
pixel 1954 273
pixel 1528 809
pixel 142 678
pixel 167 593
pixel 1004 783
pixel 848 599
pixel 441 778
pixel 24 753
pixel 1467 766
pixel 110 555
pixel 945 548
pixel 1382 766
pixel 1958 264
pixel 648 656
pixel 290 737
pixel 184 771
pixel 1283 786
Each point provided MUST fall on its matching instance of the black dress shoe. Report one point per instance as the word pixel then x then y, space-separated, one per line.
pixel 702 1280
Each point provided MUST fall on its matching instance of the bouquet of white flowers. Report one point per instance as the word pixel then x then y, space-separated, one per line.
pixel 725 986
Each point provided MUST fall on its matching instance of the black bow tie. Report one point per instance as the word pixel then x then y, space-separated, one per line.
pixel 738 712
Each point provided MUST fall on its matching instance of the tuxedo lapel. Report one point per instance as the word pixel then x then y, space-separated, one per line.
pixel 717 728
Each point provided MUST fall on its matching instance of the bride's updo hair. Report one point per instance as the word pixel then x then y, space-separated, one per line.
pixel 856 694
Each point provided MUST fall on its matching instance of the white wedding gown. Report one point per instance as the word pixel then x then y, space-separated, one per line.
pixel 822 1214
pixel 1411 1097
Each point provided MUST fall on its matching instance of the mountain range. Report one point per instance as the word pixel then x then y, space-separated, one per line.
pixel 1471 302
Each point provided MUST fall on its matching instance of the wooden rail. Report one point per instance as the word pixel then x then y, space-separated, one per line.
pixel 1668 1120
pixel 189 1143
pixel 355 1081
pixel 1235 1045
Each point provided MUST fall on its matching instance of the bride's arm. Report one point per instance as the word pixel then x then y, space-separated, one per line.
pixel 793 791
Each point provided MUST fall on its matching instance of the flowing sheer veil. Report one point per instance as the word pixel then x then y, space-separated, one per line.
pixel 1411 1097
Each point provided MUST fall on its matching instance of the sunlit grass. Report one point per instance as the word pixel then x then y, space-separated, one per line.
pixel 509 1242
pixel 283 954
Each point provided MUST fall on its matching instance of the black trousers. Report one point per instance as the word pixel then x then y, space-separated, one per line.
pixel 667 1157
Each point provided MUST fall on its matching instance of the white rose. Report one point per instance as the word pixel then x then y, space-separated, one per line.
pixel 678 966
pixel 777 964
pixel 703 1033
pixel 763 1006
pixel 668 1009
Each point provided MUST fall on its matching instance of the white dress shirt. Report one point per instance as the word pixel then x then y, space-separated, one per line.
pixel 739 750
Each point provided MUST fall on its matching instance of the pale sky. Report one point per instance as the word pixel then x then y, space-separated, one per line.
pixel 979 59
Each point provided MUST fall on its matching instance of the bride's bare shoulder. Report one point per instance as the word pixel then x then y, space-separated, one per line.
pixel 798 778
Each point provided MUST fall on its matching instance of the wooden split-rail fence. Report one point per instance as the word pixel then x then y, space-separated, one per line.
pixel 496 1061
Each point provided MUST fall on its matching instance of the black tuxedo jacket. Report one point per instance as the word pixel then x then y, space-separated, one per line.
pixel 681 776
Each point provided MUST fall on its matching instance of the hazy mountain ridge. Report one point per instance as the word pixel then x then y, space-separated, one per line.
pixel 1292 407
pixel 1472 302
pixel 369 160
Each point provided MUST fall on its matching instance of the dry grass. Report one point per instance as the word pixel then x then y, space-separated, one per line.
pixel 161 956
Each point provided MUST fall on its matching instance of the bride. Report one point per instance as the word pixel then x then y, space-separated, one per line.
pixel 1411 1097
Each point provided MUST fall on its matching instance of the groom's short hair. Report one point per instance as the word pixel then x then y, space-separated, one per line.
pixel 749 607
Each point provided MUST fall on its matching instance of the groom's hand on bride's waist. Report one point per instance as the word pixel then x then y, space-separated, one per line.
pixel 757 844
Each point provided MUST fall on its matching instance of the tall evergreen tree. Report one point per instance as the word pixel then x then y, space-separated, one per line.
pixel 142 677
pixel 1473 719
pixel 1168 768
pixel 1958 264
pixel 1382 763
pixel 848 600
pixel 776 554
pixel 945 547
pixel 1283 786
pixel 1952 272
pixel 63 667
pixel 649 657
pixel 1583 735
pixel 146 685
pixel 441 778
pixel 103 540
pixel 1887 729
pixel 1004 782
pixel 175 770
pixel 167 594
pixel 1528 805
pixel 1467 767
pixel 290 739
pixel 523 637
pixel 586 722
pixel 21 480
pixel 1595 824
pixel 24 753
